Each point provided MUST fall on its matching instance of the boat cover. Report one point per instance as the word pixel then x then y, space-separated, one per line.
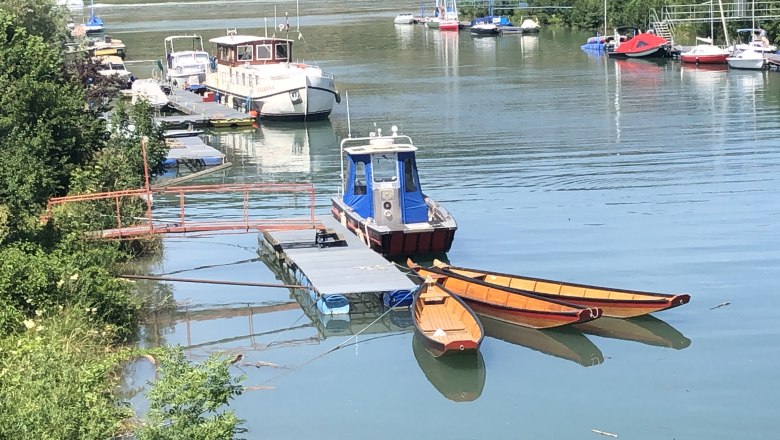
pixel 358 194
pixel 640 43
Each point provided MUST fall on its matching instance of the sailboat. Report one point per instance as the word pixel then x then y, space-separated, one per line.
pixel 706 52
pixel 449 22
pixel 750 56
pixel 94 24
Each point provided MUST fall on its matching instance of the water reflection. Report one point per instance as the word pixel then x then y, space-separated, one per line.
pixel 565 343
pixel 459 378
pixel 447 51
pixel 529 45
pixel 278 147
pixel 645 329
pixel 367 314
pixel 404 34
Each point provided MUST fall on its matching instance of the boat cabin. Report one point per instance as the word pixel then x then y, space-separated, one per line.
pixel 382 181
pixel 240 50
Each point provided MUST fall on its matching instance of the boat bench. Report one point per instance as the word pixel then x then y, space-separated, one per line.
pixel 438 319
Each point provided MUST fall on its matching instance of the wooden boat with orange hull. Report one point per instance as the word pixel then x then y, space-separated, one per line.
pixel 616 303
pixel 506 304
pixel 445 324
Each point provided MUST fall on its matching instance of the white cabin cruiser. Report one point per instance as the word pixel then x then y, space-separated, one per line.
pixel 257 74
pixel 186 63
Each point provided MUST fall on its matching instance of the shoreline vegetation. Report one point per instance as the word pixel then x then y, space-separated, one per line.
pixel 68 323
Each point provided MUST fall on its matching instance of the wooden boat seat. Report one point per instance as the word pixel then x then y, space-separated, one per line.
pixel 434 300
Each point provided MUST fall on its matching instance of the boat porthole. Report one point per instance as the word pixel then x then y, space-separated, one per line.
pixel 462 348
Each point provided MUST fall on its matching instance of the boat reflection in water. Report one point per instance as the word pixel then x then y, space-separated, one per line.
pixel 458 378
pixel 646 329
pixel 279 147
pixel 563 342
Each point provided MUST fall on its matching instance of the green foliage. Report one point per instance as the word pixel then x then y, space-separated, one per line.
pixel 45 129
pixel 43 18
pixel 56 379
pixel 187 400
pixel 73 275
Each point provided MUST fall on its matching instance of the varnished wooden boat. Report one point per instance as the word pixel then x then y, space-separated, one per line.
pixel 445 324
pixel 506 304
pixel 616 303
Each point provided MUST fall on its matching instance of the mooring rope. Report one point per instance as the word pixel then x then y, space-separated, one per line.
pixel 339 346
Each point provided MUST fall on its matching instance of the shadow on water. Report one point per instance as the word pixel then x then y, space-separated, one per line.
pixel 645 329
pixel 459 378
pixel 564 343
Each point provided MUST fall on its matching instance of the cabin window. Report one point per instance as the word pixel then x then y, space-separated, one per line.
pixel 244 53
pixel 263 51
pixel 281 51
pixel 409 183
pixel 383 168
pixel 359 187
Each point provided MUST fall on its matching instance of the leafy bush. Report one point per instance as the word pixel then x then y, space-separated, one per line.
pixel 56 379
pixel 187 400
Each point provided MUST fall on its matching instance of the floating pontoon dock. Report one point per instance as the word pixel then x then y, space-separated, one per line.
pixel 184 150
pixel 337 266
pixel 199 113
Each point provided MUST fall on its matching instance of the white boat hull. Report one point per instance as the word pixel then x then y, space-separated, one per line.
pixel 747 64
pixel 281 92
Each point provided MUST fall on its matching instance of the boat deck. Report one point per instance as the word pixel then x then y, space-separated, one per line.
pixel 349 269
pixel 199 113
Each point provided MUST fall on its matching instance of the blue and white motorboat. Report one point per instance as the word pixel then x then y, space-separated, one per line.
pixel 382 202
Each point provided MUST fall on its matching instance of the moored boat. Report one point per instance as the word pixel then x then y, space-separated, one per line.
pixel 94 24
pixel 747 60
pixel 186 62
pixel 706 53
pixel 530 26
pixel 484 30
pixel 644 45
pixel 404 18
pixel 618 303
pixel 508 304
pixel 258 74
pixel 382 201
pixel 444 323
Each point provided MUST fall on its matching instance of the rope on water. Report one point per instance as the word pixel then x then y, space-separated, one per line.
pixel 291 325
pixel 339 346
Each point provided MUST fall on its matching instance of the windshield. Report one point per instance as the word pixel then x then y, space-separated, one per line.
pixel 383 168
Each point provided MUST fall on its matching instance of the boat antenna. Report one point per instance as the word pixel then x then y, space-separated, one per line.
pixel 349 125
pixel 274 20
pixel 297 17
pixel 265 26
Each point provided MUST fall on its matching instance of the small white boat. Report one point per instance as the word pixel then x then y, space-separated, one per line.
pixel 530 26
pixel 757 41
pixel 186 63
pixel 114 66
pixel 149 90
pixel 404 19
pixel 705 53
pixel 747 59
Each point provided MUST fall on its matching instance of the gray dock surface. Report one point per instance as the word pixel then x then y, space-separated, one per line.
pixel 350 269
pixel 198 113
pixel 192 148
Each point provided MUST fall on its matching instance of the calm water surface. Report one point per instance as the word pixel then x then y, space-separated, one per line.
pixel 556 163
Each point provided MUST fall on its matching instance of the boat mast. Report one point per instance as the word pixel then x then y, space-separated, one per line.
pixel 723 21
pixel 605 18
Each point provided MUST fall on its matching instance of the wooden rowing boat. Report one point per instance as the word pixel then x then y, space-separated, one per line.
pixel 616 303
pixel 445 324
pixel 506 304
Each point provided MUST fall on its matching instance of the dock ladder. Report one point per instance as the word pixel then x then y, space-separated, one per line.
pixel 662 27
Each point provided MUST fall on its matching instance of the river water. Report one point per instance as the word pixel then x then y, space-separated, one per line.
pixel 556 163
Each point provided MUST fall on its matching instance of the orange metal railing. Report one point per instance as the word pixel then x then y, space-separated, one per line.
pixel 183 224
